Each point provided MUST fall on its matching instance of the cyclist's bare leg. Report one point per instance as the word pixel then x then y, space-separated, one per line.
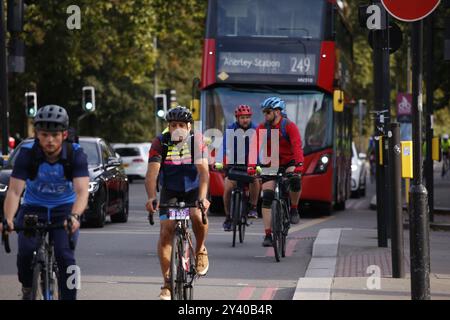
pixel 228 187
pixel 254 189
pixel 266 212
pixel 200 229
pixel 165 246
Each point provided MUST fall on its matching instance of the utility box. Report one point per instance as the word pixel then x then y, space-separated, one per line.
pixel 407 159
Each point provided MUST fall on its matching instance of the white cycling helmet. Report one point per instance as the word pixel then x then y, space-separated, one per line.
pixel 445 137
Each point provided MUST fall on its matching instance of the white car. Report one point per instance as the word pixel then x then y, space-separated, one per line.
pixel 359 173
pixel 135 158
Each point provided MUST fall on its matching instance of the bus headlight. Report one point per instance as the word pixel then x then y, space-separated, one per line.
pixel 93 186
pixel 322 164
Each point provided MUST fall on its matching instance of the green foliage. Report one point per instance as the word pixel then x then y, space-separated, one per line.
pixel 114 52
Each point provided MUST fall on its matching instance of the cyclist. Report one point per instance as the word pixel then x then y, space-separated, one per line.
pixel 445 146
pixel 243 114
pixel 290 157
pixel 183 176
pixel 55 174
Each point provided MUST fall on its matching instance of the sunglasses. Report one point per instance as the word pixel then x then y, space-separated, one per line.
pixel 268 111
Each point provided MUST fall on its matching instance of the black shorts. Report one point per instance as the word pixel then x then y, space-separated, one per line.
pixel 169 196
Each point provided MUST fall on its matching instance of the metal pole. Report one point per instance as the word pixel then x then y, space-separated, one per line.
pixel 429 115
pixel 381 225
pixel 379 101
pixel 155 85
pixel 418 211
pixel 360 102
pixel 386 83
pixel 3 82
pixel 398 266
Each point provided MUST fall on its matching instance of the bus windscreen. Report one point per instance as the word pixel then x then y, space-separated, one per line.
pixel 310 110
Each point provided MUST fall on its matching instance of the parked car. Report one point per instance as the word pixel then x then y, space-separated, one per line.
pixel 359 173
pixel 108 184
pixel 135 158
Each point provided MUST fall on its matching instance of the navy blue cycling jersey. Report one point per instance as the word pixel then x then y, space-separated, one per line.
pixel 50 188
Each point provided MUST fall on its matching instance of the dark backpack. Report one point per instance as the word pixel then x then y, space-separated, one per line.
pixel 36 162
pixel 284 123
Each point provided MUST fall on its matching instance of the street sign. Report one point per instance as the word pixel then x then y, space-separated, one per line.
pixel 395 37
pixel 404 107
pixel 410 10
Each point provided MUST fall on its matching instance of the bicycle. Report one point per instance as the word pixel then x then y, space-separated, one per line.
pixel 183 259
pixel 280 209
pixel 44 266
pixel 239 200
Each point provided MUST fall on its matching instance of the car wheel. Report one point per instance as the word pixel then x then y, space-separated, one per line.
pixel 100 212
pixel 122 216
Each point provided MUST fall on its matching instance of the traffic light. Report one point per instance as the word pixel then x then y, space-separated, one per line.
pixel 88 99
pixel 161 105
pixel 30 104
pixel 171 95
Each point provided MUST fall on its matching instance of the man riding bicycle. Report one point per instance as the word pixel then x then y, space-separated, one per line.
pixel 55 176
pixel 290 158
pixel 177 157
pixel 243 114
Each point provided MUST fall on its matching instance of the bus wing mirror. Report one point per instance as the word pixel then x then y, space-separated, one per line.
pixel 338 100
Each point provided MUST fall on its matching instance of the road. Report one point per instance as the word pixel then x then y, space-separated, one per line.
pixel 120 261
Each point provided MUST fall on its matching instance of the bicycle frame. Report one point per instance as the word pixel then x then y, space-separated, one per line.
pixel 185 263
pixel 44 255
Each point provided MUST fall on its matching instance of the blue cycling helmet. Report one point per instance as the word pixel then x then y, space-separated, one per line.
pixel 273 103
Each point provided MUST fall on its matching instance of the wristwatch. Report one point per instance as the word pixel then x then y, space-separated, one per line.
pixel 76 216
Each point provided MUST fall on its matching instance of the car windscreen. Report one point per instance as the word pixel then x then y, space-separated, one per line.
pixel 91 150
pixel 128 152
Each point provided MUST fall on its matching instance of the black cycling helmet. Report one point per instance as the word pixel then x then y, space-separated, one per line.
pixel 179 113
pixel 51 118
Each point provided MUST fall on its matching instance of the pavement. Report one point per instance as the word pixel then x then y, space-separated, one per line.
pixel 347 264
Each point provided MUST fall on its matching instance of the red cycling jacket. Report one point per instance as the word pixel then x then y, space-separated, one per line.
pixel 289 150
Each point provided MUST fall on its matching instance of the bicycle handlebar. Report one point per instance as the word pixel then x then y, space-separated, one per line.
pixel 37 227
pixel 179 205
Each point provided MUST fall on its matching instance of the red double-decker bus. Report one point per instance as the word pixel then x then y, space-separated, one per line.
pixel 301 51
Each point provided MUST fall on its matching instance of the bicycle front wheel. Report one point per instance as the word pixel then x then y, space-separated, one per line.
pixel 285 227
pixel 277 229
pixel 37 292
pixel 235 214
pixel 177 272
pixel 191 272
pixel 243 218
